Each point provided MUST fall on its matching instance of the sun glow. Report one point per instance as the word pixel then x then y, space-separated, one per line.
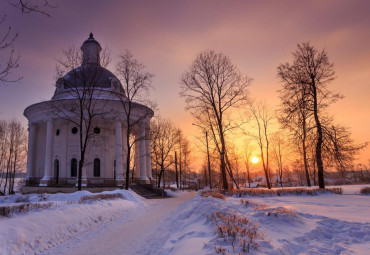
pixel 254 160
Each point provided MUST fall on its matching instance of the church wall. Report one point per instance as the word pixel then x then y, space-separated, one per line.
pixel 40 150
pixel 60 149
pixel 102 147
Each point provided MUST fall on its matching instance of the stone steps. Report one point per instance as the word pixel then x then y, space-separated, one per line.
pixel 148 191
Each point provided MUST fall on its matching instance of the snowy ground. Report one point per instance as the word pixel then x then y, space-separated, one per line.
pixel 324 224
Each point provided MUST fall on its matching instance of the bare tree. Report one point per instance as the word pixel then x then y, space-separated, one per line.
pixel 86 101
pixel 247 161
pixel 214 87
pixel 262 117
pixel 164 137
pixel 136 82
pixel 278 147
pixel 12 153
pixel 311 72
pixel 9 61
pixel 295 117
pixel 34 6
pixel 339 148
pixel 185 161
pixel 306 94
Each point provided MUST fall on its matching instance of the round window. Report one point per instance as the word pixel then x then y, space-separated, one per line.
pixel 57 132
pixel 97 130
pixel 74 130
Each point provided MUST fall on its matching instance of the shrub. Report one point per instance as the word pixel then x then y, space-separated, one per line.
pixel 365 191
pixel 87 199
pixel 22 199
pixel 239 232
pixel 213 193
pixel 268 210
pixel 43 196
pixel 5 211
pixel 283 192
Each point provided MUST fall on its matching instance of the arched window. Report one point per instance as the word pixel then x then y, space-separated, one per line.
pixel 114 169
pixel 56 170
pixel 73 167
pixel 96 167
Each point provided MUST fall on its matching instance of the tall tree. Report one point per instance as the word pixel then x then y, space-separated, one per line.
pixel 262 118
pixel 13 150
pixel 247 161
pixel 278 147
pixel 136 83
pixel 310 73
pixel 214 87
pixel 295 116
pixel 164 137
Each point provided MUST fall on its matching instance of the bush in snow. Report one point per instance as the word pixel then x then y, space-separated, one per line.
pixel 87 199
pixel 43 197
pixel 365 191
pixel 23 208
pixel 22 199
pixel 212 193
pixel 238 232
pixel 268 210
pixel 283 192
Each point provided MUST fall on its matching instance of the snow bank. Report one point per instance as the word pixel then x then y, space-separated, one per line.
pixel 33 232
pixel 324 224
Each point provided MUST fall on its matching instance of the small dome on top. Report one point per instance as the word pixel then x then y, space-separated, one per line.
pixel 91 51
pixel 90 74
pixel 91 40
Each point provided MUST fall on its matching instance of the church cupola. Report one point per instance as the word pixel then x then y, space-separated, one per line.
pixel 91 51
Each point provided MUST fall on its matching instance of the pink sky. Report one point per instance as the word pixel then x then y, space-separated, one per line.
pixel 166 36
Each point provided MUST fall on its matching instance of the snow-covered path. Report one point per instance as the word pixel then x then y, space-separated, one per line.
pixel 136 232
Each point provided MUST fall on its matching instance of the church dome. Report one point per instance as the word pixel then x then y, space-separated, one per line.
pixel 90 74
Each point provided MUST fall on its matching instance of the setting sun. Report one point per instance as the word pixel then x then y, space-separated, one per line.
pixel 254 160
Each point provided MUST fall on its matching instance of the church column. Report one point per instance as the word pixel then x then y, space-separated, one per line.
pixel 119 161
pixel 142 152
pixel 137 157
pixel 45 181
pixel 148 157
pixel 31 152
pixel 124 151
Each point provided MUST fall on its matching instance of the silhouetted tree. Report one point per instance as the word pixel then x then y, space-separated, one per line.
pixel 262 117
pixel 164 137
pixel 294 116
pixel 278 147
pixel 136 83
pixel 213 87
pixel 309 74
pixel 8 59
pixel 13 150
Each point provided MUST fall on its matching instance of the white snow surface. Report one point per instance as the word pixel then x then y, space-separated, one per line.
pixel 325 224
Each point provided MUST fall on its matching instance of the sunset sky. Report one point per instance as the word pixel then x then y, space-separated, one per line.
pixel 166 36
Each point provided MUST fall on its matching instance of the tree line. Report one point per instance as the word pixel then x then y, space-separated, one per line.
pixel 13 152
pixel 215 90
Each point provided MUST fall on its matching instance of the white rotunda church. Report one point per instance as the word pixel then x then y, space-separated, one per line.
pixel 54 143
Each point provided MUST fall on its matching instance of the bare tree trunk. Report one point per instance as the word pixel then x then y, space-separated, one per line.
pixel 180 170
pixel 304 150
pixel 320 166
pixel 177 174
